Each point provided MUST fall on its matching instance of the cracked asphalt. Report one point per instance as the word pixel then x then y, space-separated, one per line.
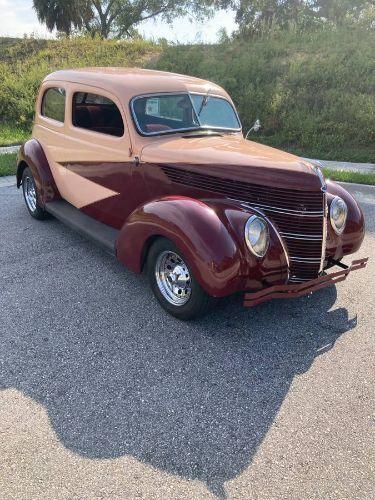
pixel 102 395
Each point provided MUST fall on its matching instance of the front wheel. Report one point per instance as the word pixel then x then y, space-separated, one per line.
pixel 30 196
pixel 173 282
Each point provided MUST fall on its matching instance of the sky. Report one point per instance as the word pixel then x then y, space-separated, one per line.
pixel 18 18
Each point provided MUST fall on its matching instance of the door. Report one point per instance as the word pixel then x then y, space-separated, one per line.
pixel 97 164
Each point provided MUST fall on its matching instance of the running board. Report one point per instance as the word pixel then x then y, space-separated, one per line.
pixel 100 233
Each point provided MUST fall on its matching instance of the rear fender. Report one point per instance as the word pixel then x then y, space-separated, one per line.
pixel 32 155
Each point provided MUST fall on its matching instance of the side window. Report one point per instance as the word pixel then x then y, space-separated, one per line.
pixel 97 113
pixel 53 104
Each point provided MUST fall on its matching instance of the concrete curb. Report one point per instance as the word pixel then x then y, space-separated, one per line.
pixel 9 149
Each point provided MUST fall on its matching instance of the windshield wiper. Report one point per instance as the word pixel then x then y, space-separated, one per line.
pixel 205 100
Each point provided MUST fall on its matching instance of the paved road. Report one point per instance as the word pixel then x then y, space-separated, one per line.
pixel 102 395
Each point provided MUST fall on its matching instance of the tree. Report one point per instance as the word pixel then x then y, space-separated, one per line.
pixel 256 16
pixel 337 11
pixel 113 18
pixel 63 15
pixel 260 15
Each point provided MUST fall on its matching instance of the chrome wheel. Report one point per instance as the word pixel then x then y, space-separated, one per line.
pixel 173 278
pixel 30 193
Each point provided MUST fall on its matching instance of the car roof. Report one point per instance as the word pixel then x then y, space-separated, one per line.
pixel 131 82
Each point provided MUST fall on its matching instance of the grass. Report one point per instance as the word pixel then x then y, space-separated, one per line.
pixel 11 136
pixel 313 92
pixel 345 176
pixel 8 164
pixel 354 154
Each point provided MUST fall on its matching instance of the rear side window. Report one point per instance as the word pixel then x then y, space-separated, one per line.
pixel 97 113
pixel 53 104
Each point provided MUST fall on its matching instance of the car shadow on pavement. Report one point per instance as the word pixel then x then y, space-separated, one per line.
pixel 118 376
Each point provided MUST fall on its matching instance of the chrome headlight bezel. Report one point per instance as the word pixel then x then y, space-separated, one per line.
pixel 264 234
pixel 335 203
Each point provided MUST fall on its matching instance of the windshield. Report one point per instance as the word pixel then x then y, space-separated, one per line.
pixel 166 113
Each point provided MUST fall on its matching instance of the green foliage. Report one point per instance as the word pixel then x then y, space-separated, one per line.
pixel 8 164
pixel 113 18
pixel 256 17
pixel 313 92
pixel 24 66
pixel 63 15
pixel 10 136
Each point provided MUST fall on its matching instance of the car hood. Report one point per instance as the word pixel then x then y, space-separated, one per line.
pixel 233 157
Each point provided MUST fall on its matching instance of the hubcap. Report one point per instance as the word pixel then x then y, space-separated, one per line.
pixel 173 278
pixel 30 193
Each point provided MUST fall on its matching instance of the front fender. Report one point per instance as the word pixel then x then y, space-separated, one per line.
pixel 351 239
pixel 208 239
pixel 32 155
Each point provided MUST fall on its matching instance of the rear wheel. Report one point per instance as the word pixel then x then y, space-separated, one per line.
pixel 30 196
pixel 173 282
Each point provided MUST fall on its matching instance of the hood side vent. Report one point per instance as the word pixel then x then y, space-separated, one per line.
pixel 279 198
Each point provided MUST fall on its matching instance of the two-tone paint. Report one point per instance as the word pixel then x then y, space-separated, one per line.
pixel 133 183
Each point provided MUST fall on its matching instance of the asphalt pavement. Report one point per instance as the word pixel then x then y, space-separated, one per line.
pixel 103 395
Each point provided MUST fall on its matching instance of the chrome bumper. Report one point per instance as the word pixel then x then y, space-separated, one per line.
pixel 252 299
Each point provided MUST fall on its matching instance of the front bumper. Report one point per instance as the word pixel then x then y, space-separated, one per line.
pixel 297 290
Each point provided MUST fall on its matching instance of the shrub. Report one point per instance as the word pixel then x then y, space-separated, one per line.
pixel 313 92
pixel 24 65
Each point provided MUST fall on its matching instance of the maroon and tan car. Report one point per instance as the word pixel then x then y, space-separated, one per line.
pixel 154 167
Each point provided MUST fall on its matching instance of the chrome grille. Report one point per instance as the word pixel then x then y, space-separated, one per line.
pixel 298 215
pixel 305 246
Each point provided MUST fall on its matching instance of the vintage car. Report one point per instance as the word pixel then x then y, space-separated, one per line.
pixel 154 167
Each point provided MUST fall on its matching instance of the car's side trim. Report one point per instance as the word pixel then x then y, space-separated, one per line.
pixel 100 233
pixel 89 163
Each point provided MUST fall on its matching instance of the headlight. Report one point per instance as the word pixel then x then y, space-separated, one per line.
pixel 338 214
pixel 257 235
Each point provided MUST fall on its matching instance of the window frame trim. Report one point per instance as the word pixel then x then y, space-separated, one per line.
pixel 88 130
pixel 40 110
